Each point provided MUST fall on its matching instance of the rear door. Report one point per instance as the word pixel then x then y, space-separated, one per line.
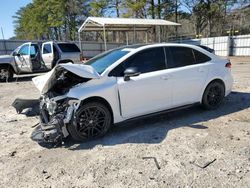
pixel 189 72
pixel 47 54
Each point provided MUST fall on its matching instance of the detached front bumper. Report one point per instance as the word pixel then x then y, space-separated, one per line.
pixel 53 127
pixel 53 131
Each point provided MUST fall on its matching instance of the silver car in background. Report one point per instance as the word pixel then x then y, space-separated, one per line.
pixel 33 57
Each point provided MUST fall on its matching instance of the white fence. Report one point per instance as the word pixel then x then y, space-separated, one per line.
pixel 225 46
pixel 219 44
pixel 241 45
pixel 90 49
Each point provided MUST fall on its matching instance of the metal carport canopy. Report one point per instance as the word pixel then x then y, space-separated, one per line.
pixel 121 24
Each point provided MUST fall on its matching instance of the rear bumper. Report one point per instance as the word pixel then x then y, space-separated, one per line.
pixel 228 84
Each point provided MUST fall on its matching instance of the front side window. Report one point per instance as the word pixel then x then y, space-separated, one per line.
pixel 24 50
pixel 47 49
pixel 148 60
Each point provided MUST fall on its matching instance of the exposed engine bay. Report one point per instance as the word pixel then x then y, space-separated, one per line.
pixel 56 109
pixel 63 81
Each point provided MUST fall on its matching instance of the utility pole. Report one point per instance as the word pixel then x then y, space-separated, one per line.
pixel 2 33
pixel 176 18
pixel 4 44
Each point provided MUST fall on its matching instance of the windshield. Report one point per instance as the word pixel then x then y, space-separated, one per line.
pixel 103 61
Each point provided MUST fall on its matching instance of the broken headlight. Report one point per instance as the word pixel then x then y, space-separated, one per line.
pixel 54 106
pixel 51 107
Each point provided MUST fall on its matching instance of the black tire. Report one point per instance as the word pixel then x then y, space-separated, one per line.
pixel 91 120
pixel 6 74
pixel 213 95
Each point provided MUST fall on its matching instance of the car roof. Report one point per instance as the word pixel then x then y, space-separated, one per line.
pixel 138 46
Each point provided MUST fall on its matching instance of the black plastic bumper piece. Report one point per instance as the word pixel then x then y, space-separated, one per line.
pixel 50 132
pixel 31 104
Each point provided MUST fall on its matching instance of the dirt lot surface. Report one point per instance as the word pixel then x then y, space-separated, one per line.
pixel 193 147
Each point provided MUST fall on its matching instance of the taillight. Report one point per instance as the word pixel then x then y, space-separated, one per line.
pixel 228 65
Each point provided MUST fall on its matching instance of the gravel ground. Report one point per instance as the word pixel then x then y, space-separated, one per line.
pixel 193 147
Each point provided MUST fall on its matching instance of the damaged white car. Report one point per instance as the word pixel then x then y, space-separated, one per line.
pixel 125 83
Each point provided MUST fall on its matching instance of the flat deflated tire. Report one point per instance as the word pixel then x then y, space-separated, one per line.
pixel 91 120
pixel 213 95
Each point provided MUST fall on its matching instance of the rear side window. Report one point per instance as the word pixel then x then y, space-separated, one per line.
pixel 148 60
pixel 180 56
pixel 200 57
pixel 47 49
pixel 68 47
pixel 183 56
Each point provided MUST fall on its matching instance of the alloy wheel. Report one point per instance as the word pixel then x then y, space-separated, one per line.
pixel 215 95
pixel 91 121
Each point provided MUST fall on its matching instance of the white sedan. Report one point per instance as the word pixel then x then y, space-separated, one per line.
pixel 125 83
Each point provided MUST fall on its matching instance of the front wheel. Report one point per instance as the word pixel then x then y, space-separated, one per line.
pixel 6 74
pixel 213 95
pixel 92 120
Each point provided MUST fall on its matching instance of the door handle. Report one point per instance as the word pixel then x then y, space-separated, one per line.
pixel 201 70
pixel 165 77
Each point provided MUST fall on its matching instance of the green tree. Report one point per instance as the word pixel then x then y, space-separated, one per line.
pixel 50 19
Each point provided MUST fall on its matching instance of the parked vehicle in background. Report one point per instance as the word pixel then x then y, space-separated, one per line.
pixel 125 83
pixel 37 57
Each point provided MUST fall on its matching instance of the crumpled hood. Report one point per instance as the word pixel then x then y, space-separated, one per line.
pixel 6 58
pixel 46 81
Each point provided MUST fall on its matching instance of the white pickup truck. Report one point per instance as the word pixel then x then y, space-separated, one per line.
pixel 37 57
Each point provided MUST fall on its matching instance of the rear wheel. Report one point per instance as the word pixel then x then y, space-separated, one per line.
pixel 6 74
pixel 213 95
pixel 92 120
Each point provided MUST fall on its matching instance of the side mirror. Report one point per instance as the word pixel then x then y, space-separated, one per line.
pixel 130 72
pixel 16 54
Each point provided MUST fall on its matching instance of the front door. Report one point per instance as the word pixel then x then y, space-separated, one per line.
pixel 151 90
pixel 22 58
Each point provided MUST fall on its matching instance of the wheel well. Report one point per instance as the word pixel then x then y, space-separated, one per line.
pixel 102 101
pixel 215 80
pixel 7 66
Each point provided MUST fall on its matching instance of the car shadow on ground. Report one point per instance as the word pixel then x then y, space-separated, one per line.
pixel 153 130
pixel 23 78
pixel 26 77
